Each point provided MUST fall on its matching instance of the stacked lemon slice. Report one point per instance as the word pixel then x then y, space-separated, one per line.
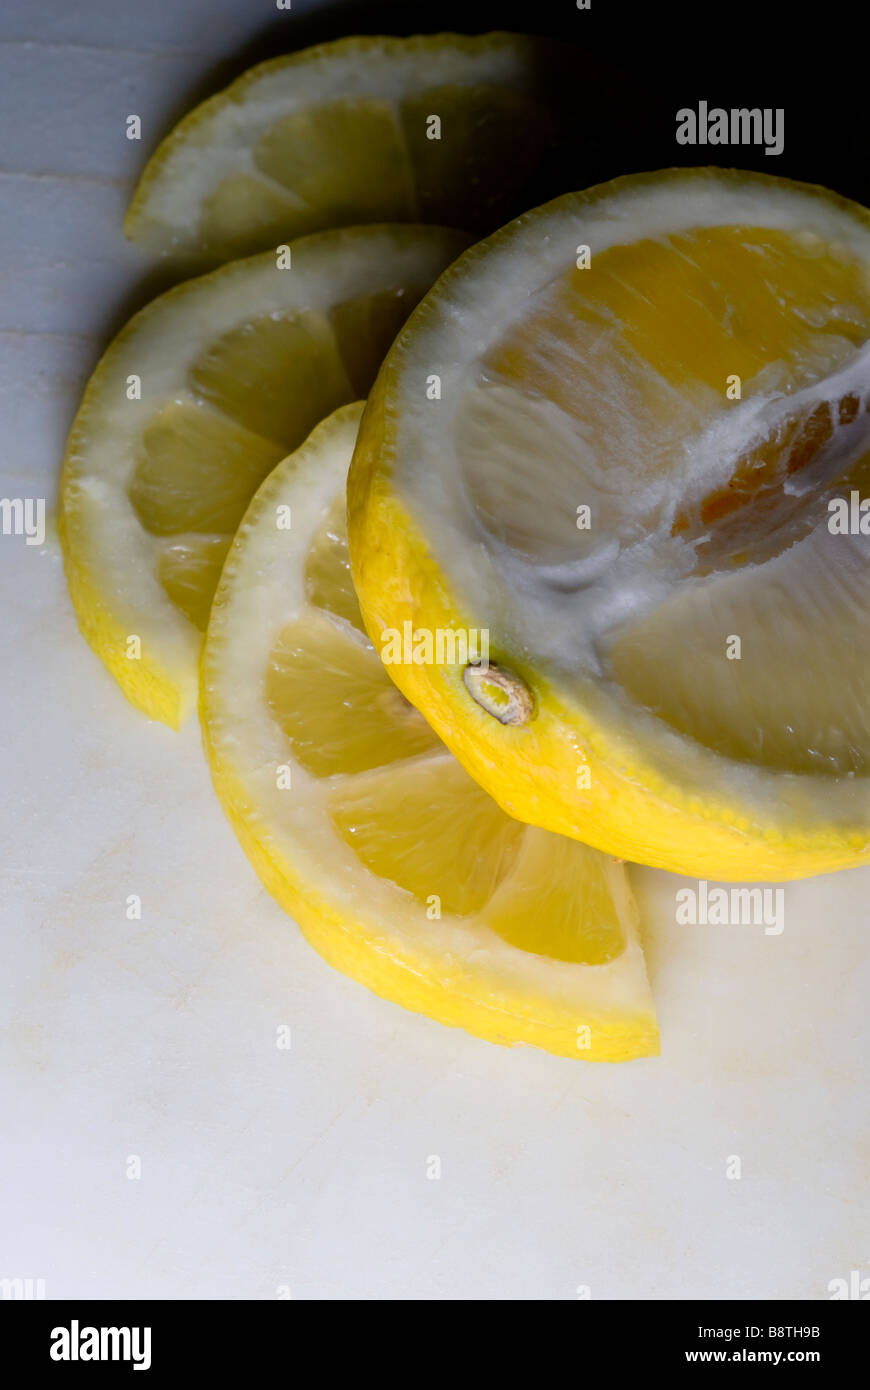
pixel 436 128
pixel 191 407
pixel 654 406
pixel 398 867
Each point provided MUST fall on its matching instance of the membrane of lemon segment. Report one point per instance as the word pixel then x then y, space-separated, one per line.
pixel 443 128
pixel 604 390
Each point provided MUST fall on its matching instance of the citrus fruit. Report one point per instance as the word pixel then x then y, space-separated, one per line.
pixel 628 436
pixel 436 128
pixel 400 870
pixel 192 405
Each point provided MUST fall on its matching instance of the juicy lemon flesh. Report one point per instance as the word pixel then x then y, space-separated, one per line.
pixel 635 356
pixel 558 902
pixel 363 728
pixel 795 697
pixel 407 809
pixel 346 160
pixel 242 214
pixel 328 580
pixel 189 569
pixel 196 471
pixel 254 395
pixel 430 829
pixel 385 792
pixel 277 376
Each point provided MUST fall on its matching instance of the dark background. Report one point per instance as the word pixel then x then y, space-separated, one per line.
pixel 811 57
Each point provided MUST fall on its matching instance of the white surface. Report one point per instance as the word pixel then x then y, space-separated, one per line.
pixel 307 1168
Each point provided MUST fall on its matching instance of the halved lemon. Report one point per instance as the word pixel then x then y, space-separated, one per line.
pixel 436 128
pixel 398 868
pixel 629 437
pixel 191 407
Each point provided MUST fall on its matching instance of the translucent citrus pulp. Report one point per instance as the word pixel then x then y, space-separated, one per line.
pixel 344 133
pixel 401 871
pixel 192 405
pixel 615 437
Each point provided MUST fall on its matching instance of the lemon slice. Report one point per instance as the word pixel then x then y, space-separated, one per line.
pixel 401 871
pixel 436 128
pixel 641 469
pixel 191 407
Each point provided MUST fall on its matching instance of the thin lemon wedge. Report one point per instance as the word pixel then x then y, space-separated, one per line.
pixel 435 128
pixel 192 405
pixel 629 438
pixel 400 870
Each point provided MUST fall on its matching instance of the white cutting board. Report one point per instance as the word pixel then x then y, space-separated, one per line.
pixel 306 1170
